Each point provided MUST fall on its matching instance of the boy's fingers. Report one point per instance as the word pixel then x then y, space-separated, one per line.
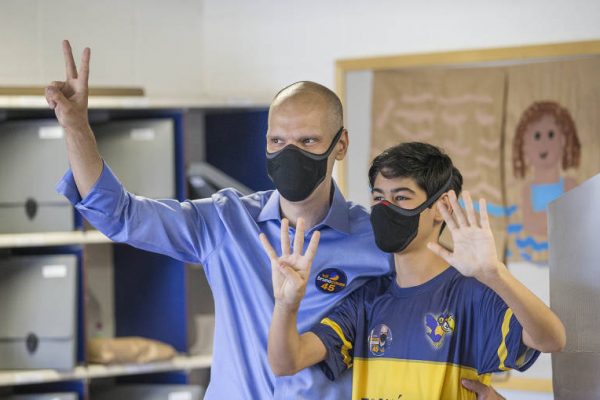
pixel 470 211
pixel 440 251
pixel 483 214
pixel 457 210
pixel 450 222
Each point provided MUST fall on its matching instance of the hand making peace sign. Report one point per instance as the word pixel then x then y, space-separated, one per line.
pixel 69 98
pixel 291 270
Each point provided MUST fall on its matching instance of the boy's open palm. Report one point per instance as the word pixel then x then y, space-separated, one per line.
pixel 474 252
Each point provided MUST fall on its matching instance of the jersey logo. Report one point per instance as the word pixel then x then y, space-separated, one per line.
pixel 380 340
pixel 438 326
pixel 331 280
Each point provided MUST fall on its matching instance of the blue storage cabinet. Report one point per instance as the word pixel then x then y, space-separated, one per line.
pixel 236 143
pixel 150 290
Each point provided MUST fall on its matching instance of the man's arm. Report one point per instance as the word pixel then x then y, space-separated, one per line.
pixel 475 255
pixel 290 352
pixel 184 230
pixel 69 100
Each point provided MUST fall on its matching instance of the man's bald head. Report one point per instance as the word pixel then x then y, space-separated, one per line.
pixel 307 92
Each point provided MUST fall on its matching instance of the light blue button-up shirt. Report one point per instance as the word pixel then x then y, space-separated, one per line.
pixel 221 233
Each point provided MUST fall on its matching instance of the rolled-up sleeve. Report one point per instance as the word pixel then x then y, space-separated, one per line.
pixel 188 230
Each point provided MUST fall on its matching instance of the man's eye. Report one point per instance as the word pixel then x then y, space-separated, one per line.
pixel 308 141
pixel 276 141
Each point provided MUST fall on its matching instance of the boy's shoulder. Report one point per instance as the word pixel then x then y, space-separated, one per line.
pixel 373 288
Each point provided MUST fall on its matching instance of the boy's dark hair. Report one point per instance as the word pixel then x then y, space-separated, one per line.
pixel 426 164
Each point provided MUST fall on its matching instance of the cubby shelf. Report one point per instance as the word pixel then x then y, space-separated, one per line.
pixel 94 371
pixel 15 240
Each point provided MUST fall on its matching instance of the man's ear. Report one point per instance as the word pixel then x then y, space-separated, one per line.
pixel 342 146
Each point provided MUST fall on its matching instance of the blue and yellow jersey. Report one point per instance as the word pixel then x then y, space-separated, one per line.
pixel 418 342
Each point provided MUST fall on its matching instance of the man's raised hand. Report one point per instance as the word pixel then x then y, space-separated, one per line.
pixel 291 270
pixel 69 98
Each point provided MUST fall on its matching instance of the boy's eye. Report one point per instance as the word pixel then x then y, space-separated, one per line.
pixel 377 198
pixel 401 198
pixel 551 134
pixel 537 136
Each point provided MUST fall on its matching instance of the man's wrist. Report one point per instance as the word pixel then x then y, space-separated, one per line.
pixel 82 127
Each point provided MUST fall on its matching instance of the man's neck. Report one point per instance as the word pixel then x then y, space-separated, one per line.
pixel 417 266
pixel 313 210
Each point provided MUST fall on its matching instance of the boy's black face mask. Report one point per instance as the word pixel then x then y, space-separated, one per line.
pixel 296 173
pixel 395 227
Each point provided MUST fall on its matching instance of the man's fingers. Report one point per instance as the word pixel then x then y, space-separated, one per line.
pixel 285 237
pixel 482 391
pixel 267 246
pixel 64 87
pixel 440 251
pixel 311 251
pixel 69 61
pixel 299 237
pixel 58 85
pixel 291 274
pixel 474 386
pixel 84 69
pixel 54 97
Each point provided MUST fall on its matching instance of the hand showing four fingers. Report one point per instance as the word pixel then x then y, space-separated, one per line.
pixel 291 270
pixel 474 252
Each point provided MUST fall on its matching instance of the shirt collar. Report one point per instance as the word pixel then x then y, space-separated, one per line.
pixel 337 218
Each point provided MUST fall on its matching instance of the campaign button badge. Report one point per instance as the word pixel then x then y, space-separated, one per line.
pixel 331 280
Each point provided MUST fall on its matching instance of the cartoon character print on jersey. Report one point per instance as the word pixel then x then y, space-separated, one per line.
pixel 437 327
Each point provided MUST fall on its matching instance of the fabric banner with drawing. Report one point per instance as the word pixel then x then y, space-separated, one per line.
pixel 459 110
pixel 520 135
pixel 552 144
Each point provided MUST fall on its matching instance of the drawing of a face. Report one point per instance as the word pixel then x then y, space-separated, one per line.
pixel 544 143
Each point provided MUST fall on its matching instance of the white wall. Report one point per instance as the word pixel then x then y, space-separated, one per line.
pixel 150 43
pixel 239 49
pixel 253 48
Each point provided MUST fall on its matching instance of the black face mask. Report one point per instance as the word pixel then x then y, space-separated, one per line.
pixel 396 227
pixel 296 173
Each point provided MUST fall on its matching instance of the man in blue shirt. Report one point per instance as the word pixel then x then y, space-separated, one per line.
pixel 304 138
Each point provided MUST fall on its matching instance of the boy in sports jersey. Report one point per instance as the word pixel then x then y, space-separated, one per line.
pixel 442 317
